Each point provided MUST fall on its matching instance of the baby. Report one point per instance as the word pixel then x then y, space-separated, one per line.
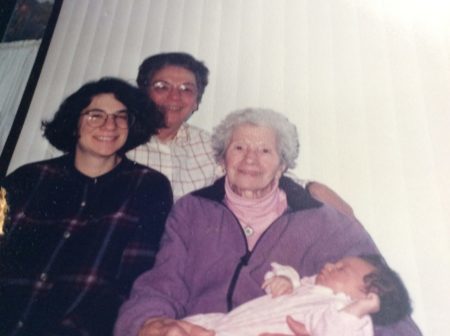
pixel 344 298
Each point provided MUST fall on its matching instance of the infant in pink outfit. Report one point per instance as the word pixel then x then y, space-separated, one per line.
pixel 344 298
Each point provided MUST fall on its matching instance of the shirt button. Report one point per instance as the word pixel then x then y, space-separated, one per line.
pixel 43 277
pixel 66 235
pixel 83 204
pixel 19 324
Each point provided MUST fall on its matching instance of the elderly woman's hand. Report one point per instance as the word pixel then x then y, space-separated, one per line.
pixel 297 328
pixel 170 327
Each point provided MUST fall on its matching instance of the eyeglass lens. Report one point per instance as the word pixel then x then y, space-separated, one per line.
pixel 185 89
pixel 98 118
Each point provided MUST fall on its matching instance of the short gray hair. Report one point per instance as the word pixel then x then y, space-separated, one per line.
pixel 285 131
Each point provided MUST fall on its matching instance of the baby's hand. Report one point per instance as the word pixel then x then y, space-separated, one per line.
pixel 278 285
pixel 368 305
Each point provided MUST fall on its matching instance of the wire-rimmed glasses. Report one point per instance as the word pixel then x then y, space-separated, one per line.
pixel 186 89
pixel 98 118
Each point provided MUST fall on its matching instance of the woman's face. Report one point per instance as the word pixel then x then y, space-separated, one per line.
pixel 252 162
pixel 104 141
pixel 174 90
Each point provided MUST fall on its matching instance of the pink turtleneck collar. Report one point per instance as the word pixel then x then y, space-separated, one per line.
pixel 256 215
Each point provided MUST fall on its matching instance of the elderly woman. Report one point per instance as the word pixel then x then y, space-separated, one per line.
pixel 220 240
pixel 82 226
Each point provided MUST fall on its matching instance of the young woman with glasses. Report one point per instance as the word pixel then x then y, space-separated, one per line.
pixel 82 226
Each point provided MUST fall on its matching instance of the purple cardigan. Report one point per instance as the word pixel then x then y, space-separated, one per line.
pixel 204 265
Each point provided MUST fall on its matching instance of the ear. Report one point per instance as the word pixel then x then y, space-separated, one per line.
pixel 281 170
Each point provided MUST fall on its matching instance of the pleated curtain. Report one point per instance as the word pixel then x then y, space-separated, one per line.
pixel 16 62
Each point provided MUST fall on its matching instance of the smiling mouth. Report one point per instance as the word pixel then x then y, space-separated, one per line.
pixel 171 108
pixel 106 138
pixel 250 173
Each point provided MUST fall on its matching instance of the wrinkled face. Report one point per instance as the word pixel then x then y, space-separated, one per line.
pixel 174 90
pixel 252 162
pixel 104 141
pixel 346 276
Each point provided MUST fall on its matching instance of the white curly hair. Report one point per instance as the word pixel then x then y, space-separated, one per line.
pixel 285 131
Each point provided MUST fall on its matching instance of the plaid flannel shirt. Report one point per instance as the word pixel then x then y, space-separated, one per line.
pixel 187 160
pixel 74 245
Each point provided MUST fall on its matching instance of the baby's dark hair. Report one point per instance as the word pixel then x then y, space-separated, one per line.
pixel 395 303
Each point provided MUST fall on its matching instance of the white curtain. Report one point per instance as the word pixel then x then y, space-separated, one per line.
pixel 16 62
pixel 366 81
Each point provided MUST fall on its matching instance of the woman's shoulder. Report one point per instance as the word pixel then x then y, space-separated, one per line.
pixel 206 200
pixel 198 132
pixel 146 177
pixel 325 216
pixel 298 197
pixel 140 169
pixel 38 166
pixel 25 178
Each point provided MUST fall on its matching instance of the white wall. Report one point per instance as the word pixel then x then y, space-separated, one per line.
pixel 366 81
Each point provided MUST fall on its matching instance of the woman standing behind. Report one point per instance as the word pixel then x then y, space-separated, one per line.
pixel 82 226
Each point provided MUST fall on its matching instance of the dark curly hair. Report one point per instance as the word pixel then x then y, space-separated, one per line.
pixel 62 130
pixel 395 303
pixel 156 62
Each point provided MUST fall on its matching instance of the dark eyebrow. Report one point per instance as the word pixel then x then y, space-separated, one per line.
pixel 100 110
pixel 185 83
pixel 189 83
pixel 95 110
pixel 159 80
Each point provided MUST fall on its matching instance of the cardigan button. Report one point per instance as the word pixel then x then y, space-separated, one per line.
pixel 83 204
pixel 66 235
pixel 43 277
pixel 19 324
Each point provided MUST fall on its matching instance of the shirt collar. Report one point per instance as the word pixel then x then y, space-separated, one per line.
pixel 181 138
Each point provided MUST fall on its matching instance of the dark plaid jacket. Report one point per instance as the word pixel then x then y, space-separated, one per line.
pixel 73 245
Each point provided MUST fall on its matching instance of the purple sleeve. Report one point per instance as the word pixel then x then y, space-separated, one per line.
pixel 162 290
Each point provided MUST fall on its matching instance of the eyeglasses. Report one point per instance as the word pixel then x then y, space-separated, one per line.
pixel 98 118
pixel 187 90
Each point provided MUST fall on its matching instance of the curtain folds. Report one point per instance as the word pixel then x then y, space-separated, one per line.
pixel 16 62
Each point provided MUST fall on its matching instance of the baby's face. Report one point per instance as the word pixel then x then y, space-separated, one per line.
pixel 346 276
